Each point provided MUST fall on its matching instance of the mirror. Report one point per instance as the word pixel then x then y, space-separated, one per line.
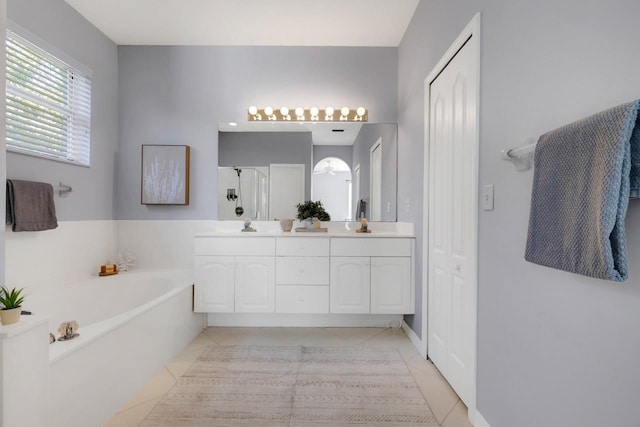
pixel 266 169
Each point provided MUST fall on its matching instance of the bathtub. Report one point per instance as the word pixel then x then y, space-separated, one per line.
pixel 131 325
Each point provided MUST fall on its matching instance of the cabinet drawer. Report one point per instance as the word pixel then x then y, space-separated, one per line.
pixel 302 299
pixel 233 246
pixel 368 246
pixel 302 246
pixel 302 271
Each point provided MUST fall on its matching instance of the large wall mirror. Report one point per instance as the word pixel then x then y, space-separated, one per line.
pixel 266 169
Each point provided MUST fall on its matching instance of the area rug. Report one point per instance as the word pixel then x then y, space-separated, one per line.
pixel 294 386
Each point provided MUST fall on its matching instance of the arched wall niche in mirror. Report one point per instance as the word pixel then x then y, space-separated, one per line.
pixel 295 149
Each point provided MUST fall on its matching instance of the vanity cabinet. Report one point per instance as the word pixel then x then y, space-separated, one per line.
pixel 372 275
pixel 302 275
pixel 234 275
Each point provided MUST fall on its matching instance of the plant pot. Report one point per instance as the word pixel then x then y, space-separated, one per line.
pixel 8 317
pixel 307 223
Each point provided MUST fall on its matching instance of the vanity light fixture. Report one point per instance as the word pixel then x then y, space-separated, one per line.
pixel 313 114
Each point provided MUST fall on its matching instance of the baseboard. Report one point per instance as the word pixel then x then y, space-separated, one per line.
pixel 479 421
pixel 303 320
pixel 415 339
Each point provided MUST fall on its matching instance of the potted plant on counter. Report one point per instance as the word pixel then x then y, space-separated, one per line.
pixel 11 300
pixel 309 210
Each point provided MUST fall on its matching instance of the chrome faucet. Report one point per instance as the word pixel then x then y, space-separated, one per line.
pixel 247 225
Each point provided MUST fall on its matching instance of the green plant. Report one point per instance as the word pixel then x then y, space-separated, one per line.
pixel 310 209
pixel 11 298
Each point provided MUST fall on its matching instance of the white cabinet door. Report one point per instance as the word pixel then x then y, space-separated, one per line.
pixel 255 285
pixel 349 286
pixel 391 285
pixel 214 284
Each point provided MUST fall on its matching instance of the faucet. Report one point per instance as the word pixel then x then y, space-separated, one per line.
pixel 247 225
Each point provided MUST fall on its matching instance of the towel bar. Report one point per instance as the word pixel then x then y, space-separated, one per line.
pixel 521 157
pixel 64 189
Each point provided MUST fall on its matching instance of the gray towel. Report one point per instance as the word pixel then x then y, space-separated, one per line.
pixel 584 175
pixel 30 206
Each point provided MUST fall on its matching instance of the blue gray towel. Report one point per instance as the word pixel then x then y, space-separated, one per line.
pixel 585 173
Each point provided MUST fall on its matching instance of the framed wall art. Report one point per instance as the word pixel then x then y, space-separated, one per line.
pixel 165 175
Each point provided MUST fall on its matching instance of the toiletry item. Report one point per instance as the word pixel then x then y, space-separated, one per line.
pixel 286 224
pixel 108 270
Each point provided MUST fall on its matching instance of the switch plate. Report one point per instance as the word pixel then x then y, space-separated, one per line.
pixel 487 197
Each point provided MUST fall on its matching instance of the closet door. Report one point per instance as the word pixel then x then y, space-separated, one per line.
pixel 286 189
pixel 452 222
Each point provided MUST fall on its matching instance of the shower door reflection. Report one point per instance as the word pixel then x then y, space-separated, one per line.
pixel 243 192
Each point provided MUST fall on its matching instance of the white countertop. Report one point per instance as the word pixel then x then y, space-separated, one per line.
pixel 334 229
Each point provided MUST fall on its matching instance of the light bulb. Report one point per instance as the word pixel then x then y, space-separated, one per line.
pixel 299 111
pixel 329 111
pixel 360 111
pixel 268 110
pixel 344 111
pixel 253 110
pixel 314 111
pixel 284 111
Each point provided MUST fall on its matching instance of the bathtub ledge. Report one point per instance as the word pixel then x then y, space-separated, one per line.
pixel 26 323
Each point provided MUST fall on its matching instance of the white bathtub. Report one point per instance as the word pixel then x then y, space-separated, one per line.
pixel 131 325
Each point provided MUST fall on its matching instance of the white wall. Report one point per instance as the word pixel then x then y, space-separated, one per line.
pixel 554 348
pixel 73 251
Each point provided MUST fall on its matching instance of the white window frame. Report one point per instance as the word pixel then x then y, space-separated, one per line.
pixel 77 111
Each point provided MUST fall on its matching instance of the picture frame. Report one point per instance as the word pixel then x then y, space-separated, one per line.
pixel 165 175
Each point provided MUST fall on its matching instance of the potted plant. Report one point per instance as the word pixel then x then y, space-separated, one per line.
pixel 309 210
pixel 11 300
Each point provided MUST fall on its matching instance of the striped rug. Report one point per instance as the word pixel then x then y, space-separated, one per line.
pixel 294 386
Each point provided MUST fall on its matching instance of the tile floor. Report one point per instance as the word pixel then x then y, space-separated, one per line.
pixel 443 401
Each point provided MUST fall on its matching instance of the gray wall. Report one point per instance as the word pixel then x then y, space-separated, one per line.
pixel 61 27
pixel 554 349
pixel 178 95
pixel 264 148
pixel 368 136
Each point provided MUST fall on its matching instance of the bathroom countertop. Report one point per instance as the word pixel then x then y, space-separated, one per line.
pixel 335 229
pixel 274 233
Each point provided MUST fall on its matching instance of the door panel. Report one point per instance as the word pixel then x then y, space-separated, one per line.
pixel 214 284
pixel 349 287
pixel 286 189
pixel 452 222
pixel 255 285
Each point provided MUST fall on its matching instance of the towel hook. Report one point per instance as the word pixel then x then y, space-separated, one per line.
pixel 63 189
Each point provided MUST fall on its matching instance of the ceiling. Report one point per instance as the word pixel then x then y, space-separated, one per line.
pixel 250 22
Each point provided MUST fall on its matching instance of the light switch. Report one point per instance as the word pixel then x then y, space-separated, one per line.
pixel 487 197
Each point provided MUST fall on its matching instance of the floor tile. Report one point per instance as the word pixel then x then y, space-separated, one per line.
pixel 133 416
pixel 443 401
pixel 393 338
pixel 436 390
pixel 156 387
pixel 179 365
pixel 458 417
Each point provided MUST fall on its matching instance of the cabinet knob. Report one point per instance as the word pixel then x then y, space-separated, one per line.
pixel 457 268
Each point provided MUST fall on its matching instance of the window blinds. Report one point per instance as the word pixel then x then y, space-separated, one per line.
pixel 48 104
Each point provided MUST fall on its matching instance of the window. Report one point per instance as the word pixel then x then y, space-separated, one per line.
pixel 48 104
